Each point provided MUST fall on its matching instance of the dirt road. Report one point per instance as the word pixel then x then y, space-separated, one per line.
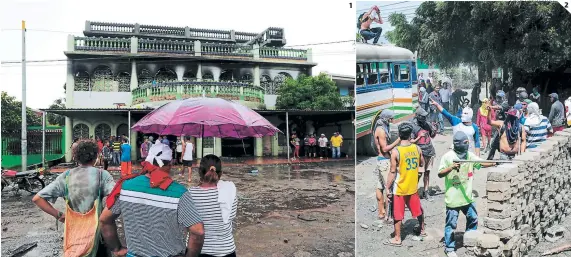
pixel 298 210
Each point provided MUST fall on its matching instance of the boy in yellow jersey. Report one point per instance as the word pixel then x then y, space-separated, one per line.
pixel 406 158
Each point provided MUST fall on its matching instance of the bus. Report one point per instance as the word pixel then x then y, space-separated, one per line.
pixel 386 79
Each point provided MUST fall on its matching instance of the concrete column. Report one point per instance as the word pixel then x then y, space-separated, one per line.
pixel 133 143
pixel 216 74
pixel 68 138
pixel 256 51
pixel 199 72
pixel 197 48
pixel 179 70
pixel 218 146
pixel 275 145
pixel 257 75
pixel 186 32
pixel 259 147
pixel 137 29
pixel 87 26
pixel 134 45
pixel 233 35
pixel 134 77
pixel 69 85
pixel 70 43
pixel 309 55
pixel 199 147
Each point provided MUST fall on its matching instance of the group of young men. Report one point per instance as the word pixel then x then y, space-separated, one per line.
pixel 407 159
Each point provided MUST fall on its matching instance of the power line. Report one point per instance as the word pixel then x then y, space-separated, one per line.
pixel 380 6
pixel 43 30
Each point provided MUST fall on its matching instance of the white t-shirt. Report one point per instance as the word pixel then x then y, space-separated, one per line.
pixel 188 152
pixel 322 142
pixel 568 110
pixel 179 146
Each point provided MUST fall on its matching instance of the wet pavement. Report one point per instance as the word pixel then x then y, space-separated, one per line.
pixel 283 210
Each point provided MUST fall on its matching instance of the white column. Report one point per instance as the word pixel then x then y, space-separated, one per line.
pixel 199 72
pixel 134 45
pixel 199 147
pixel 69 85
pixel 259 147
pixel 257 75
pixel 68 138
pixel 134 77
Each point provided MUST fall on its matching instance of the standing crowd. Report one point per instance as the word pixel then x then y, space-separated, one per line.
pixel 160 216
pixel 401 163
pixel 313 146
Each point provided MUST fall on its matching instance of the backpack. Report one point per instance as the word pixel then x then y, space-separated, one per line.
pixel 359 20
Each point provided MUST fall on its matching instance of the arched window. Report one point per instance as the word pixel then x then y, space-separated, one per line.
pixel 80 131
pixel 103 131
pixel 145 78
pixel 189 76
pixel 266 83
pixel 227 75
pixel 246 78
pixel 207 76
pixel 81 81
pixel 279 81
pixel 102 80
pixel 123 129
pixel 165 75
pixel 124 80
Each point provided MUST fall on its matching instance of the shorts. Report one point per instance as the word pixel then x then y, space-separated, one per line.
pixel 413 203
pixel 186 163
pixel 428 160
pixel 382 169
pixel 559 128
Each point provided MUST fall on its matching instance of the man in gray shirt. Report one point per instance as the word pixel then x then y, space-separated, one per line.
pixel 557 113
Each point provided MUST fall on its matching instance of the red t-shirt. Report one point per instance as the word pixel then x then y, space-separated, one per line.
pixel 100 145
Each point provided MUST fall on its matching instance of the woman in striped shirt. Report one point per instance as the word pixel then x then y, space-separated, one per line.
pixel 216 202
pixel 536 126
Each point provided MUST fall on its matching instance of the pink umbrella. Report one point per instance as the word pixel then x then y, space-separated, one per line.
pixel 205 117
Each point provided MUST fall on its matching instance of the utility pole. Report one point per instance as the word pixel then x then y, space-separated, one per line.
pixel 24 125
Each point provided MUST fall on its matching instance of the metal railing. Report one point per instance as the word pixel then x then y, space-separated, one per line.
pixel 188 89
pixel 111 27
pixel 102 44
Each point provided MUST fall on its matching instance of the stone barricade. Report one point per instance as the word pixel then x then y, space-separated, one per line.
pixel 525 198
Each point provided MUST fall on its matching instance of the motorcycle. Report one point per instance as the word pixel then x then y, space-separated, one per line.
pixel 30 180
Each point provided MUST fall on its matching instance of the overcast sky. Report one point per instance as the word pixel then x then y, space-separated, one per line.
pixel 305 22
pixel 407 8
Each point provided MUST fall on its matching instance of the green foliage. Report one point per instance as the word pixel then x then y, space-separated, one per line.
pixel 56 119
pixel 309 93
pixel 515 34
pixel 12 115
pixel 462 78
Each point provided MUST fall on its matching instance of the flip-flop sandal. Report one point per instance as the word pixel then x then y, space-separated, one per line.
pixel 388 242
pixel 424 234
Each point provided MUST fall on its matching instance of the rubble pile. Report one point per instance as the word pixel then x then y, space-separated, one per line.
pixel 526 199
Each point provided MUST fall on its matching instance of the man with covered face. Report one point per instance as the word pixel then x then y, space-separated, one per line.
pixel 422 135
pixel 464 124
pixel 381 138
pixel 557 113
pixel 458 182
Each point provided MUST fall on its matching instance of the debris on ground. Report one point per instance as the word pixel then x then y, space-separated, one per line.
pixel 364 226
pixel 20 251
pixel 563 248
pixel 305 218
pixel 554 233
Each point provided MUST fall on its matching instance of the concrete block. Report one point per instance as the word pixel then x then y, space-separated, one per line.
pixel 488 241
pixel 471 238
pixel 499 196
pixel 500 174
pixel 498 205
pixel 498 224
pixel 555 233
pixel 502 234
pixel 525 229
pixel 492 186
pixel 502 214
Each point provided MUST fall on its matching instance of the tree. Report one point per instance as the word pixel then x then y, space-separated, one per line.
pixel 309 93
pixel 12 115
pixel 526 36
pixel 56 119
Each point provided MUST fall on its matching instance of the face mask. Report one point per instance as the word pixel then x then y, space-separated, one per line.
pixel 461 145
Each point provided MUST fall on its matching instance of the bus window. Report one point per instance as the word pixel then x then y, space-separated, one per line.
pixel 401 72
pixel 385 77
pixel 372 76
pixel 360 80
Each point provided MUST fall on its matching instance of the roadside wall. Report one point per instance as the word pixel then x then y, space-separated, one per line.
pixel 525 199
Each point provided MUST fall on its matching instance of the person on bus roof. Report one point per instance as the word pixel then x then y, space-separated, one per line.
pixel 364 25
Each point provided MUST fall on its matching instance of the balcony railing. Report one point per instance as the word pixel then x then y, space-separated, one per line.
pixel 102 44
pixel 226 49
pixel 166 46
pixel 283 53
pixel 182 90
pixel 195 48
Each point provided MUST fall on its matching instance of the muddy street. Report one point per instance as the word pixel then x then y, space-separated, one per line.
pixel 300 210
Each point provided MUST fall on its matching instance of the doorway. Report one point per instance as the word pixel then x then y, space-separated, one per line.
pixel 235 147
